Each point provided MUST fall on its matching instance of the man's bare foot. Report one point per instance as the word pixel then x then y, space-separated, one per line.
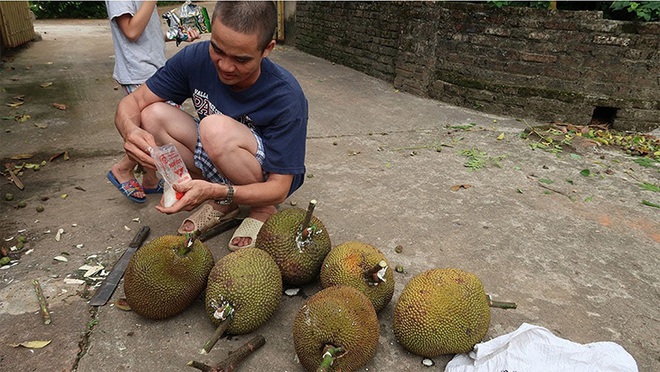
pixel 123 174
pixel 258 213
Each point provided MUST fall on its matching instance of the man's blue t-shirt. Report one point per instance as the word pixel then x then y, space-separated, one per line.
pixel 274 106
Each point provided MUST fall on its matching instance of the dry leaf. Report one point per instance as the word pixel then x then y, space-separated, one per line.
pixel 56 156
pixel 20 97
pixel 32 344
pixel 59 234
pixel 21 156
pixel 47 84
pixel 122 304
pixel 458 187
pixel 22 118
pixel 15 104
pixel 60 106
pixel 500 137
pixel 41 125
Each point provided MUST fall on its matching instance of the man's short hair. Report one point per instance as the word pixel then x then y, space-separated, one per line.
pixel 248 17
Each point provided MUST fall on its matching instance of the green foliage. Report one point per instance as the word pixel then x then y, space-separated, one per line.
pixel 69 9
pixel 622 10
pixel 531 4
pixel 478 159
pixel 499 4
pixel 643 10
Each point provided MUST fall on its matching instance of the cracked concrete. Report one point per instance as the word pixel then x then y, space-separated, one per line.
pixel 579 255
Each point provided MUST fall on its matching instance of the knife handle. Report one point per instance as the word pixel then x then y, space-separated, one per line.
pixel 140 237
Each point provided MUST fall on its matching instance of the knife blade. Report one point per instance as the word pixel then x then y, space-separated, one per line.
pixel 109 285
pixel 219 229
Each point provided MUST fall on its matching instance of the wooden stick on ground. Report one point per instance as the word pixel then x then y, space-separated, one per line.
pixel 236 357
pixel 43 305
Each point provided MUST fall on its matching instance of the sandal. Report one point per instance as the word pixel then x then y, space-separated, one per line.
pixel 206 217
pixel 249 228
pixel 127 188
pixel 156 190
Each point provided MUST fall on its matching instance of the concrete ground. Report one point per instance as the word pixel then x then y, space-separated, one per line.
pixel 579 254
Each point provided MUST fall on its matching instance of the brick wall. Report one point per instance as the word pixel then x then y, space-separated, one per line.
pixel 516 61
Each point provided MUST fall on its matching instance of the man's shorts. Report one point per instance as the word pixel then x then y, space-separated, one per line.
pixel 204 163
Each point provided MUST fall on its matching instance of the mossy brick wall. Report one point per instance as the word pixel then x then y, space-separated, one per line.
pixel 516 61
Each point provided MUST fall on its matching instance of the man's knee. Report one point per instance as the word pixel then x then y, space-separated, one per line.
pixel 215 134
pixel 153 116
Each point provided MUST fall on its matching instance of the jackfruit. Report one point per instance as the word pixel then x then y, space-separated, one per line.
pixel 441 311
pixel 337 326
pixel 166 275
pixel 298 251
pixel 245 288
pixel 361 266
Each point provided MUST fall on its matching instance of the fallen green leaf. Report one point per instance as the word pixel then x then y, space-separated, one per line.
pixel 589 198
pixel 645 162
pixel 575 156
pixel 650 187
pixel 646 202
pixel 463 127
pixel 585 172
pixel 546 181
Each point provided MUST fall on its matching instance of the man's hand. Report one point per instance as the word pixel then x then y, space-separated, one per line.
pixel 195 192
pixel 137 144
pixel 193 34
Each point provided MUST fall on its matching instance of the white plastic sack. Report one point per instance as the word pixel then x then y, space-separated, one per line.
pixel 533 348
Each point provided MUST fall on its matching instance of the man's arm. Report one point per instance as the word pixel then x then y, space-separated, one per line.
pixel 271 192
pixel 127 119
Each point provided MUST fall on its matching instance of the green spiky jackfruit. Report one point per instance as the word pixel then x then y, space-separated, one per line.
pixel 249 281
pixel 441 311
pixel 350 264
pixel 161 280
pixel 340 316
pixel 299 258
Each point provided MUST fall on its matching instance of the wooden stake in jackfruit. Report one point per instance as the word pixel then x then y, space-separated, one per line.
pixel 443 311
pixel 336 330
pixel 243 291
pixel 166 275
pixel 298 241
pixel 361 266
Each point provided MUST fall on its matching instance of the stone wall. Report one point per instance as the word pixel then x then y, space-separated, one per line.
pixel 570 66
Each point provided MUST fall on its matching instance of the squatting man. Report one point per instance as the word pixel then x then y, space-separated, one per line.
pixel 247 146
